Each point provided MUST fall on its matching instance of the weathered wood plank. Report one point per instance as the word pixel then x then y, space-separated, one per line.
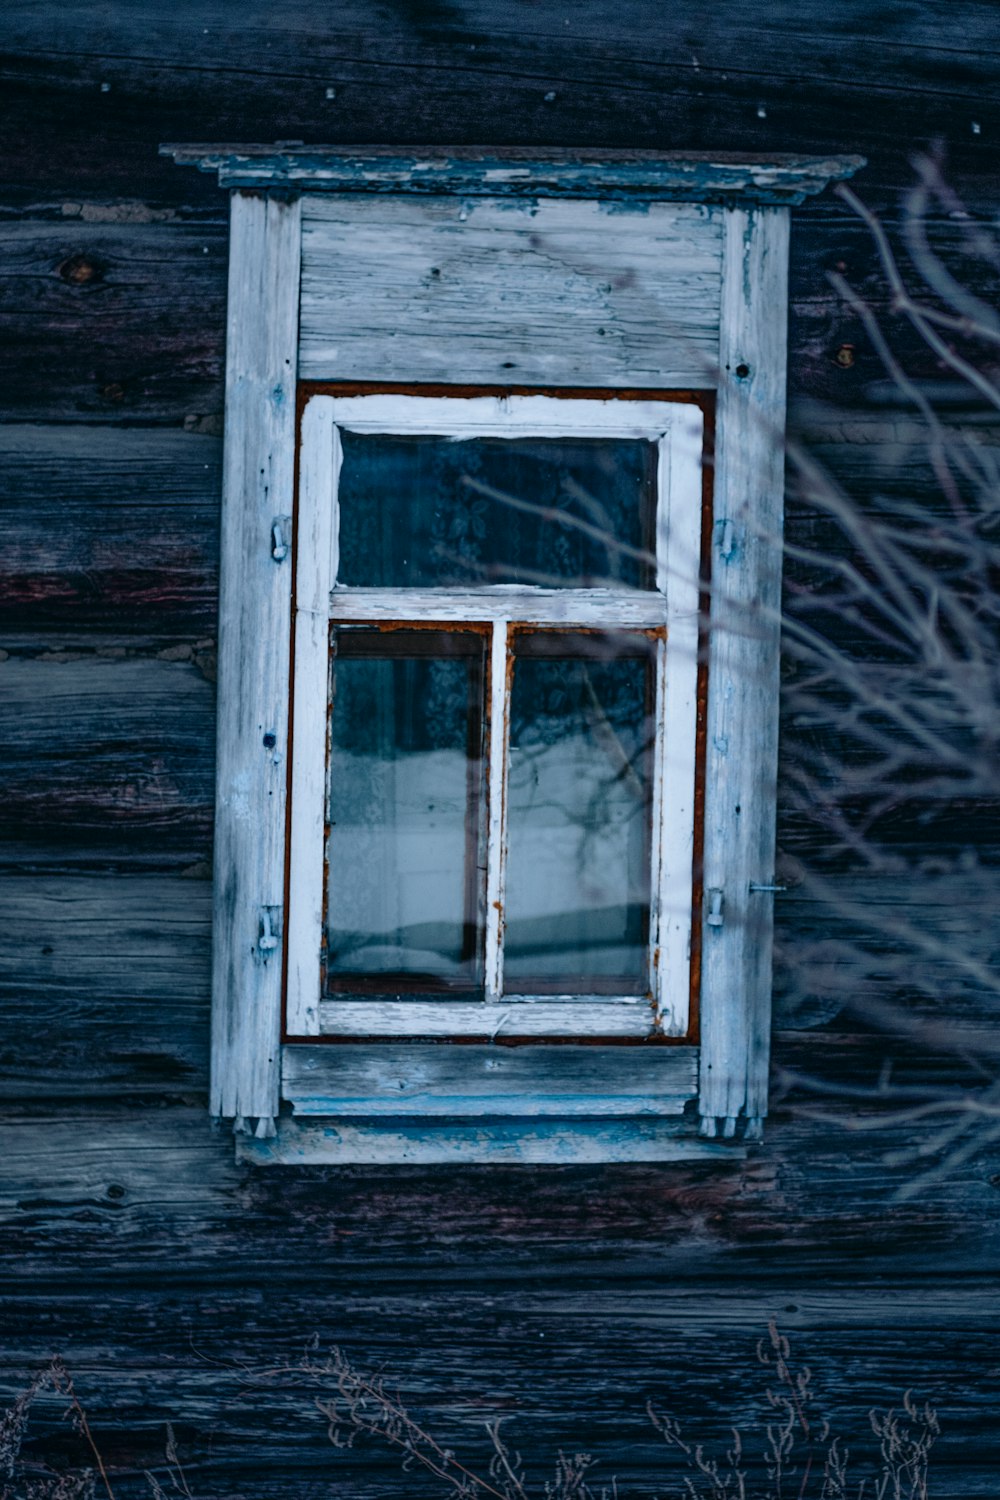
pixel 743 661
pixel 254 622
pixel 105 759
pixel 495 293
pixel 815 1201
pixel 147 328
pixel 625 178
pixel 106 990
pixel 569 1369
pixel 780 79
pixel 110 531
pixel 120 319
pixel 533 1140
pixel 487 1081
pixel 507 1016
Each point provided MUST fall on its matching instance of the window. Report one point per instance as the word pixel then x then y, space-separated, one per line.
pixel 494 854
pixel 493 784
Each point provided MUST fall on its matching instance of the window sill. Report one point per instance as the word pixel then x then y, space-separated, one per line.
pixel 528 1142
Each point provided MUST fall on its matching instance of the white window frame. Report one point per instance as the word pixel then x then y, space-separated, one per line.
pixel 671 605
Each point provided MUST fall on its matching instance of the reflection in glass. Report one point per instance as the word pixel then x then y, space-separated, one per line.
pixel 578 811
pixel 495 510
pixel 406 792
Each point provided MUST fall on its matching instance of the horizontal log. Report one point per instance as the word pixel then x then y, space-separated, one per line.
pixel 125 320
pixel 109 533
pixel 106 758
pixel 784 79
pixel 568 1369
pixel 106 991
pixel 128 1192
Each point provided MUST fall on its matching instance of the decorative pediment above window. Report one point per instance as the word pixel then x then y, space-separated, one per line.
pixel 498 679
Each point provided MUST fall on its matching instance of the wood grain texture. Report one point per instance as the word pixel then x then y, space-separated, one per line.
pixel 534 1139
pixel 154 345
pixel 110 532
pixel 489 292
pixel 642 1278
pixel 562 1376
pixel 630 75
pixel 509 1016
pixel 622 177
pixel 254 626
pixel 106 991
pixel 487 1081
pixel 815 1202
pixel 132 315
pixel 107 759
pixel 743 676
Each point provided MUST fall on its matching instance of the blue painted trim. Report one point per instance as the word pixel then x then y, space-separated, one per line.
pixel 614 176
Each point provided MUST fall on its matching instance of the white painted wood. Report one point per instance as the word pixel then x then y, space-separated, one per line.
pixel 396 1079
pixel 315 569
pixel 510 293
pixel 742 731
pixel 513 1016
pixel 496 842
pixel 678 545
pixel 631 608
pixel 307 1143
pixel 254 622
pixel 505 416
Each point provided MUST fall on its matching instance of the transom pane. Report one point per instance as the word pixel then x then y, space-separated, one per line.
pixel 419 511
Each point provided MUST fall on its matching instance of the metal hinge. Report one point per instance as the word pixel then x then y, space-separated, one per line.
pixel 269 938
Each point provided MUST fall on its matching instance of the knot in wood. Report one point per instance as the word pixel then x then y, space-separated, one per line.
pixel 81 270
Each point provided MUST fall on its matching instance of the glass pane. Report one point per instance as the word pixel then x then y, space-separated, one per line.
pixel 425 512
pixel 578 873
pixel 404 898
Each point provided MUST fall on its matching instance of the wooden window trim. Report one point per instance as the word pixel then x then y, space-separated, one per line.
pixel 743 218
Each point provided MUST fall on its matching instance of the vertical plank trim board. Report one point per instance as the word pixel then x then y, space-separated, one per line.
pixel 744 639
pixel 254 626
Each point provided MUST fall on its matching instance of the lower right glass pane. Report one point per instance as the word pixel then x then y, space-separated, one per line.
pixel 579 812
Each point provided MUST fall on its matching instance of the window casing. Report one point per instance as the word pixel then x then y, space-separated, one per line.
pixel 573 273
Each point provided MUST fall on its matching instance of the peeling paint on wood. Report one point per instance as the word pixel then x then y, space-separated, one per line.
pixel 627 176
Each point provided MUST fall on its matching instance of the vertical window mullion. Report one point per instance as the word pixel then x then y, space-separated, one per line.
pixel 496 843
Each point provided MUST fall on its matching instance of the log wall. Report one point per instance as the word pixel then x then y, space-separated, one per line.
pixel 178 1285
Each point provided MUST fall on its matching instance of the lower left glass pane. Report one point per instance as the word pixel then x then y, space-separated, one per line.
pixel 405 853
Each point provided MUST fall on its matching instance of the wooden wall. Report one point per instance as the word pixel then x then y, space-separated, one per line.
pixel 177 1285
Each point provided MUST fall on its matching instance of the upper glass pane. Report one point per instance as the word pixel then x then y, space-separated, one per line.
pixel 405 856
pixel 437 512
